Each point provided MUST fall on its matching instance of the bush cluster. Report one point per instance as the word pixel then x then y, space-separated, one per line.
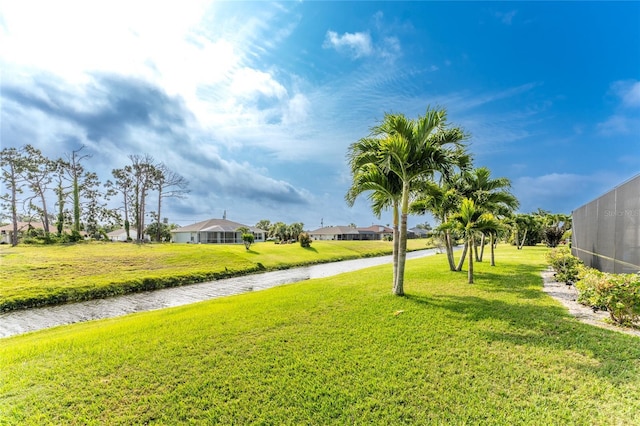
pixel 565 264
pixel 305 239
pixel 618 294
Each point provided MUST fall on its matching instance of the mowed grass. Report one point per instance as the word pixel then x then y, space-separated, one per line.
pixel 39 275
pixel 340 350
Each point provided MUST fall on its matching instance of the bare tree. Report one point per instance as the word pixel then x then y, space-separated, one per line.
pixel 13 163
pixel 144 175
pixel 124 184
pixel 38 173
pixel 169 184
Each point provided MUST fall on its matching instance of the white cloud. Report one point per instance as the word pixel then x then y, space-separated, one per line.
pixel 248 82
pixel 356 44
pixel 506 17
pixel 628 91
pixel 616 124
pixel 632 97
pixel 297 110
pixel 625 119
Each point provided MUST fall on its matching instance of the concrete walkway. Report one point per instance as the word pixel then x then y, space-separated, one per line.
pixel 568 296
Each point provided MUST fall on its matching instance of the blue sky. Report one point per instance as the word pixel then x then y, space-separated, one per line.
pixel 256 103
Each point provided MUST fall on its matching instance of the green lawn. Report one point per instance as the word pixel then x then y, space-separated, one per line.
pixel 340 350
pixel 38 275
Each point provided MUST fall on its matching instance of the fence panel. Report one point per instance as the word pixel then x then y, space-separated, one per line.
pixel 606 231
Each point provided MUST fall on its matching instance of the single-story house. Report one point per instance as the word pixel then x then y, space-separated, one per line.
pixel 335 233
pixel 121 235
pixel 7 230
pixel 349 233
pixel 377 232
pixel 215 231
pixel 418 233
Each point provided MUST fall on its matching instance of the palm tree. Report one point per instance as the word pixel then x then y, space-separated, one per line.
pixel 490 195
pixel 441 200
pixel 384 192
pixel 412 150
pixel 471 221
pixel 523 223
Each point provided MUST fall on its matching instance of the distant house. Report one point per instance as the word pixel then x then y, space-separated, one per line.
pixel 215 231
pixel 348 233
pixel 417 233
pixel 377 232
pixel 121 235
pixel 6 231
pixel 336 233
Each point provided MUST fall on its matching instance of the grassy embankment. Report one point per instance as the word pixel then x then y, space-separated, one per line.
pixel 40 275
pixel 340 350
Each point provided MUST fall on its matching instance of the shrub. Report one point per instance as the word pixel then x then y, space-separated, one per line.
pixel 248 239
pixel 587 277
pixel 619 294
pixel 552 236
pixel 305 239
pixel 566 265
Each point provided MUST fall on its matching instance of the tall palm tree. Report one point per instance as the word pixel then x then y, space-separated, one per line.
pixel 413 150
pixel 384 190
pixel 471 221
pixel 491 195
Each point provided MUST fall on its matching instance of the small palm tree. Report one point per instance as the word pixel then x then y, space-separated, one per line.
pixel 441 200
pixel 247 236
pixel 491 195
pixel 470 222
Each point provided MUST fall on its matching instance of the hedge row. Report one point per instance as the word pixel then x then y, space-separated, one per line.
pixel 618 294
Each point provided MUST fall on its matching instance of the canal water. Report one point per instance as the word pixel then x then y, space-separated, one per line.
pixel 23 321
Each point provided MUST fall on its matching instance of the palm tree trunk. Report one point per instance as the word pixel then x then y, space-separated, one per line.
pixel 462 258
pixel 470 273
pixel 449 247
pixel 492 241
pixel 398 288
pixel 482 241
pixel 524 237
pixel 396 242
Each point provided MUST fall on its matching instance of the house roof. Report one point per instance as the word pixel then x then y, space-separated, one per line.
pixel 377 229
pixel 335 230
pixel 22 226
pixel 419 231
pixel 122 231
pixel 215 225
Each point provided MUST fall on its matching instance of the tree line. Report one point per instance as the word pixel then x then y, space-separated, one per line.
pixel 80 200
pixel 280 231
pixel 415 166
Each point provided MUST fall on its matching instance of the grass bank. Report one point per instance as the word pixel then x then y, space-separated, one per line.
pixel 340 350
pixel 45 275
